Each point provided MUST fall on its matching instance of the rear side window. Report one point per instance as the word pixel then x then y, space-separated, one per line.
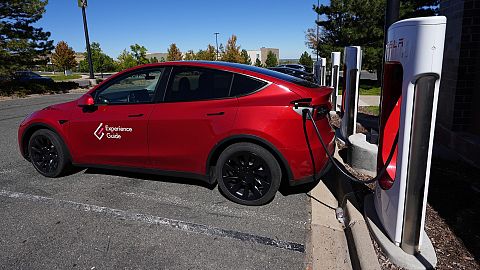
pixel 193 83
pixel 243 85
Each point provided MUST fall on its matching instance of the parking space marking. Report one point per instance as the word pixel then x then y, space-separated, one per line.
pixel 150 219
pixel 217 209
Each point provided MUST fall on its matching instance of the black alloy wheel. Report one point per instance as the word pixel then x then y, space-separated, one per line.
pixel 44 154
pixel 47 153
pixel 248 174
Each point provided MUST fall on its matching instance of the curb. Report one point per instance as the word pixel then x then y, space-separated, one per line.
pixel 362 252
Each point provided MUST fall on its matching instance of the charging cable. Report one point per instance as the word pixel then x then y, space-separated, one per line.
pixel 306 114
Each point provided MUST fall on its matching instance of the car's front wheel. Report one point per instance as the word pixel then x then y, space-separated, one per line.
pixel 248 174
pixel 48 153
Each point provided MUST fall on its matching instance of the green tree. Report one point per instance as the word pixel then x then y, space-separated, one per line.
pixel 139 53
pixel 153 60
pixel 21 44
pixel 360 23
pixel 258 63
pixel 232 51
pixel 245 57
pixel 209 54
pixel 126 60
pixel 271 60
pixel 64 56
pixel 101 62
pixel 174 53
pixel 306 60
pixel 190 55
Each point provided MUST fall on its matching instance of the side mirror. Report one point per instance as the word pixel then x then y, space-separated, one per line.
pixel 86 101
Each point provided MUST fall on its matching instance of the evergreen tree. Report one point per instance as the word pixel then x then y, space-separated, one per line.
pixel 21 44
pixel 360 23
pixel 306 60
pixel 153 60
pixel 246 58
pixel 258 63
pixel 232 51
pixel 64 56
pixel 271 60
pixel 174 53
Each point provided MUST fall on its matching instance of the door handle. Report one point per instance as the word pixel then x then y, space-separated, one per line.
pixel 217 113
pixel 136 115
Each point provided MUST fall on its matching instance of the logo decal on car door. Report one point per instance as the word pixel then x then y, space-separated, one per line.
pixel 99 132
pixel 111 132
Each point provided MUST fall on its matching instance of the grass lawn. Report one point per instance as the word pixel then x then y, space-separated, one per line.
pixel 371 110
pixel 64 77
pixel 366 91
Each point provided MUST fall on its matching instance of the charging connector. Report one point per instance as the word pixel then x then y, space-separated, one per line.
pixel 306 114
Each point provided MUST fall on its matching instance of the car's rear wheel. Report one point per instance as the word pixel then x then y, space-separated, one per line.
pixel 248 174
pixel 48 153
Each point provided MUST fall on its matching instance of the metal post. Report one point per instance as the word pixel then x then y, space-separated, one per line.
pixel 216 42
pixel 89 52
pixel 318 18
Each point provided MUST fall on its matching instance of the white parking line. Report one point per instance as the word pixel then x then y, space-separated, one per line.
pixel 217 209
pixel 150 219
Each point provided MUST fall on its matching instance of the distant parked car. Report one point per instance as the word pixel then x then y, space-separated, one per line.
pixel 295 72
pixel 295 66
pixel 24 77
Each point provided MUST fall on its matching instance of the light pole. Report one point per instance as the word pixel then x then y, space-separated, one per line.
pixel 83 5
pixel 216 42
pixel 318 18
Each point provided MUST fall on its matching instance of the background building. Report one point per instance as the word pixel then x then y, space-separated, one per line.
pixel 458 117
pixel 262 54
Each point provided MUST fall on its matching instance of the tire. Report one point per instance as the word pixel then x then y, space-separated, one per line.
pixel 249 183
pixel 48 153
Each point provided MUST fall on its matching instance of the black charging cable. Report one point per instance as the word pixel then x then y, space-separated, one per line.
pixel 307 114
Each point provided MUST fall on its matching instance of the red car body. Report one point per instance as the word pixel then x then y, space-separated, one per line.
pixel 186 138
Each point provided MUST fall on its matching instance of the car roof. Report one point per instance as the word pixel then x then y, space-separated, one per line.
pixel 262 71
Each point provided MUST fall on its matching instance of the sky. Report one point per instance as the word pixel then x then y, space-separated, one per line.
pixel 190 24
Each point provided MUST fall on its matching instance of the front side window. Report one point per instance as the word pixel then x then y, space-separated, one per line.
pixel 194 83
pixel 138 87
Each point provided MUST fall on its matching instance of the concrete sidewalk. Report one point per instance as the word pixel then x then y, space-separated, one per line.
pixel 336 244
pixel 329 243
pixel 362 101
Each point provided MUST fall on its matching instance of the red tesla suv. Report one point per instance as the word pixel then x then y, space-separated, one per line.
pixel 238 125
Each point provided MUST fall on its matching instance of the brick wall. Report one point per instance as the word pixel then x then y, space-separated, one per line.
pixel 459 101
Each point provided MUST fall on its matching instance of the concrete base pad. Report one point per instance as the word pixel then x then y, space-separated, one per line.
pixel 426 259
pixel 362 154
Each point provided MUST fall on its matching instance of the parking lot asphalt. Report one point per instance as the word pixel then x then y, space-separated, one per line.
pixel 100 219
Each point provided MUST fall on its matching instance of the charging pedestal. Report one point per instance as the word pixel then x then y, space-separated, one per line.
pixel 320 72
pixel 334 78
pixel 352 61
pixel 413 64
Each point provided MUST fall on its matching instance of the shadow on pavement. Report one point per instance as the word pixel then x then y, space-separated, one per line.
pixel 151 177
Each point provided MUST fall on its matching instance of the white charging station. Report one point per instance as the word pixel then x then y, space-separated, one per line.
pixel 319 71
pixel 352 61
pixel 414 55
pixel 335 73
pixel 323 71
